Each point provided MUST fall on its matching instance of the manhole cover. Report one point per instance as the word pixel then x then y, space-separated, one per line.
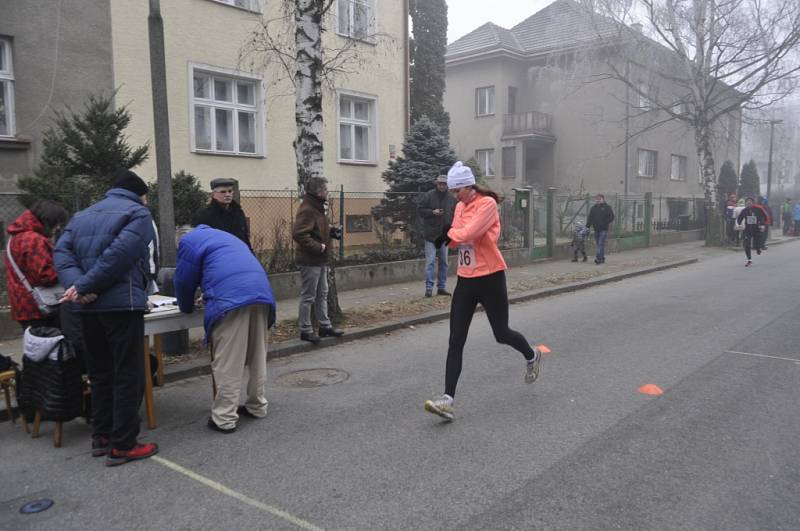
pixel 312 378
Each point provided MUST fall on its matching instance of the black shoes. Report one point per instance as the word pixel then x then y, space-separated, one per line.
pixel 311 337
pixel 214 427
pixel 428 293
pixel 585 258
pixel 574 259
pixel 330 332
pixel 242 411
pixel 443 292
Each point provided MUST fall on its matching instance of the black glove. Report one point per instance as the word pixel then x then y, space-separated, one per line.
pixel 443 239
pixel 336 233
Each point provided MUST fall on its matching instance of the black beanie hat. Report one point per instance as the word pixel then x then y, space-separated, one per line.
pixel 127 180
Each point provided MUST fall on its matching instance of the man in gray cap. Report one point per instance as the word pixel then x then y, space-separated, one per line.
pixel 436 209
pixel 223 213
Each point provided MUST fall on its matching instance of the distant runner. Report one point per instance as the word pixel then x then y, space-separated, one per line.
pixel 754 220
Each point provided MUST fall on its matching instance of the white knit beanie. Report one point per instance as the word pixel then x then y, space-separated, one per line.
pixel 460 176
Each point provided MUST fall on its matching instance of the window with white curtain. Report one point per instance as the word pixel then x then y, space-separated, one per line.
pixel 226 112
pixel 485 158
pixel 484 101
pixel 357 123
pixel 355 18
pixel 678 168
pixel 647 163
pixel 7 127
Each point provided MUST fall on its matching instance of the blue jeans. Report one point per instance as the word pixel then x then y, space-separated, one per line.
pixel 600 243
pixel 431 253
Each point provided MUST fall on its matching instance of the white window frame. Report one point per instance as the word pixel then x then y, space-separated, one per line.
pixel 653 172
pixel 229 75
pixel 349 31
pixel 255 6
pixel 372 123
pixel 482 156
pixel 7 79
pixel 482 93
pixel 683 167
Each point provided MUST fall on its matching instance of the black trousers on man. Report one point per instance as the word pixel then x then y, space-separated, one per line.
pixel 115 346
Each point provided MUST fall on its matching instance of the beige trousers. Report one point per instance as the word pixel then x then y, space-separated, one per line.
pixel 240 343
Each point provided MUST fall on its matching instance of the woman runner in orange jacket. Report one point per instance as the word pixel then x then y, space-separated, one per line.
pixel 481 279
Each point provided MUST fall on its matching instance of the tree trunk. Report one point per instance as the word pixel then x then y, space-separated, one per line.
pixel 308 89
pixel 706 158
pixel 308 15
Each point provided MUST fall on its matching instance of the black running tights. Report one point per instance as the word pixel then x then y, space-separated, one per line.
pixel 490 292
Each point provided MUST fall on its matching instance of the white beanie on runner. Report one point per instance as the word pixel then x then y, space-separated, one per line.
pixel 460 176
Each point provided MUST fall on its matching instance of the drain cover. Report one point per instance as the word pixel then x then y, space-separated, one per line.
pixel 36 506
pixel 312 378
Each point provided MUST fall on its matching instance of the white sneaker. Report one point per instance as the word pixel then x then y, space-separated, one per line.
pixel 532 367
pixel 441 405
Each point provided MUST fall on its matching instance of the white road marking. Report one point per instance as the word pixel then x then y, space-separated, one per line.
pixel 236 495
pixel 762 356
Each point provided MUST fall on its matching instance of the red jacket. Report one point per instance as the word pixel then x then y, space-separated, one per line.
pixel 766 212
pixel 33 253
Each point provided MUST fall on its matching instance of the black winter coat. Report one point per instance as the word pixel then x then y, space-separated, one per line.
pixel 600 217
pixel 231 220
pixel 432 224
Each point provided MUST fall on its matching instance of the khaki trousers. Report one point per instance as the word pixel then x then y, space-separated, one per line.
pixel 240 342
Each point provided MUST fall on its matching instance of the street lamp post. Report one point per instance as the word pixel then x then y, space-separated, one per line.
pixel 769 161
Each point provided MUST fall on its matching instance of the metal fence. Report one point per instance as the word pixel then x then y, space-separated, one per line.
pixel 366 238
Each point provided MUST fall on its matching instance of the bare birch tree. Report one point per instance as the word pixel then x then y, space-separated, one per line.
pixel 294 43
pixel 717 56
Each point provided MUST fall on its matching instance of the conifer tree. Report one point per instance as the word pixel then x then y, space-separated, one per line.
pixel 749 186
pixel 426 155
pixel 429 18
pixel 728 181
pixel 80 152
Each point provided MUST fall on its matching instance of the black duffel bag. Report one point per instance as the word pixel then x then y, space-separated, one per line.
pixel 53 385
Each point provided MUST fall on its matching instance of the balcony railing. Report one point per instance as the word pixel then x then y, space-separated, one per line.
pixel 528 123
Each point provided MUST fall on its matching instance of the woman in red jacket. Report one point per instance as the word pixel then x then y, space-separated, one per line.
pixel 481 279
pixel 31 245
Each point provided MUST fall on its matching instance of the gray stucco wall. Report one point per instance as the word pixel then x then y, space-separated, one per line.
pixel 61 54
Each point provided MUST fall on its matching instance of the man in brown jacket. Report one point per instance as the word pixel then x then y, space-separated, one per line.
pixel 312 236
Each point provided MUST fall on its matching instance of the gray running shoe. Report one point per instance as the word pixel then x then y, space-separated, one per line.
pixel 441 405
pixel 533 367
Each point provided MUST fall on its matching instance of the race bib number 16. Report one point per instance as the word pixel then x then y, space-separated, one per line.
pixel 466 256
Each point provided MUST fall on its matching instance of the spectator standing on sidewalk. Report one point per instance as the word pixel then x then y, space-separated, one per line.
pixel 223 212
pixel 312 235
pixel 786 216
pixel 239 309
pixel 102 258
pixel 481 279
pixel 730 206
pixel 30 245
pixel 796 217
pixel 436 210
pixel 601 216
pixel 754 220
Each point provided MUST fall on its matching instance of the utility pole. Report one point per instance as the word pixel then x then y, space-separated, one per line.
pixel 769 162
pixel 158 76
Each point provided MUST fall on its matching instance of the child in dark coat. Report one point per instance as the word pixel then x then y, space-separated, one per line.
pixel 579 240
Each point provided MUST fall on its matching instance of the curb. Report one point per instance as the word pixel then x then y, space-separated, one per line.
pixel 769 242
pixel 201 367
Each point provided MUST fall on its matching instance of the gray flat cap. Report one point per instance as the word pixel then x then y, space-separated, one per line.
pixel 219 182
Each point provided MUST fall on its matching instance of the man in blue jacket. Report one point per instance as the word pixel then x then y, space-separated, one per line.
pixel 239 309
pixel 103 259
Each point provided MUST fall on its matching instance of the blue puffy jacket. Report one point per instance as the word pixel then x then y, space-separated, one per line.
pixel 225 269
pixel 104 250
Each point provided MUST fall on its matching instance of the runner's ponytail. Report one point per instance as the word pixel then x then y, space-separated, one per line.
pixel 485 190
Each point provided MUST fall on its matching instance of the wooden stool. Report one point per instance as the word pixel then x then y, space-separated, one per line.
pixel 7 383
pixel 56 433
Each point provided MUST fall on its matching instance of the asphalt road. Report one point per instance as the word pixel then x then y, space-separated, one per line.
pixel 580 449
